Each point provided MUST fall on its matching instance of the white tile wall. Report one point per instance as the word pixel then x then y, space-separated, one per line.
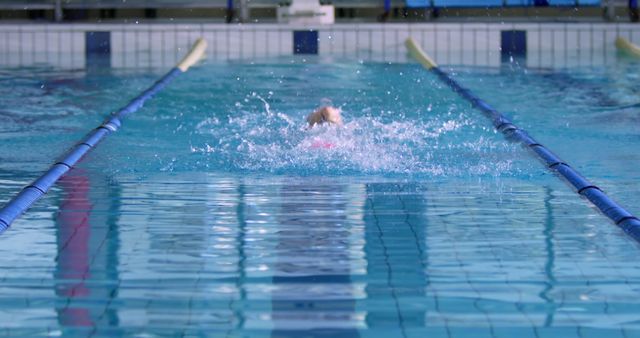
pixel 233 47
pixel 162 45
pixel 222 40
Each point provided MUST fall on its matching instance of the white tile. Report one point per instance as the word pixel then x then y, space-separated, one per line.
pixel 456 40
pixel 209 37
pixel 26 49
pixel 267 40
pixel 55 44
pixel 584 57
pixel 249 44
pixel 13 55
pixel 482 40
pixel 494 42
pixel 626 32
pixel 193 36
pixel 262 43
pixel 350 41
pixel 584 40
pixel 364 43
pixel 611 37
pixel 117 57
pixel 324 42
pixel 244 44
pixel 599 36
pixel 116 42
pixel 389 39
pixel 78 61
pixel 337 42
pixel 65 52
pixel 468 57
pixel 212 44
pixel 482 57
pixel 14 42
pixel 533 59
pixel 599 58
pixel 390 50
pixel 558 41
pixel 143 49
pixel 455 47
pixel 430 41
pixel 464 40
pixel 401 36
pixel 634 36
pixel 571 43
pixel 494 59
pixel 183 42
pixel 234 45
pixel 155 44
pixel 533 41
pixel 128 48
pixel 441 46
pixel 222 45
pixel 4 50
pixel 545 40
pixel 171 47
pixel 153 52
pixel 40 47
pixel 376 42
pixel 286 42
pixel 78 42
pixel 548 59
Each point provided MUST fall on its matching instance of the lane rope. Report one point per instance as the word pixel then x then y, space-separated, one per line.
pixel 627 46
pixel 619 215
pixel 34 191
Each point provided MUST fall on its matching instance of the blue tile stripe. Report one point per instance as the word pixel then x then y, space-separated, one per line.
pixel 97 43
pixel 615 212
pixel 31 193
pixel 513 43
pixel 305 42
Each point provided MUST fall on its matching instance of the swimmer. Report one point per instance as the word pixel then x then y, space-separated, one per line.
pixel 324 114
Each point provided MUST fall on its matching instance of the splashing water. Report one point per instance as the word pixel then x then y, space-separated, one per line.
pixel 278 142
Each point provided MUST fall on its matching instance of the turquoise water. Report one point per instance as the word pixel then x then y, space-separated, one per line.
pixel 211 213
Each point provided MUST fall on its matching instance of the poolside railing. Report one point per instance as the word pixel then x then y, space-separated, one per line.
pixel 59 6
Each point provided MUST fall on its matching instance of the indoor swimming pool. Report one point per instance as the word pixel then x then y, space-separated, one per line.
pixel 215 211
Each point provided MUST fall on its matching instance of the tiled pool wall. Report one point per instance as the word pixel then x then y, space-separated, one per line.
pixel 161 45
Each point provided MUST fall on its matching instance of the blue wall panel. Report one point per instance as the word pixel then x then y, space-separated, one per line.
pixel 513 43
pixel 305 42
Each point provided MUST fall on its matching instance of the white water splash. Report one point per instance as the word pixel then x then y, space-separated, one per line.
pixel 275 141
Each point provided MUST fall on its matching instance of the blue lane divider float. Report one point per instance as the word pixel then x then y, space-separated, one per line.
pixel 31 193
pixel 619 215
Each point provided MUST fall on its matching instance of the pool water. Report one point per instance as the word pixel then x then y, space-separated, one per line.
pixel 213 212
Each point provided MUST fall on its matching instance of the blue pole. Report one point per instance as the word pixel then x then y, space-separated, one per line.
pixel 620 216
pixel 615 212
pixel 31 193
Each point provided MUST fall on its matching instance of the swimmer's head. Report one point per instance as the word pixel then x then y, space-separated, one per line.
pixel 326 114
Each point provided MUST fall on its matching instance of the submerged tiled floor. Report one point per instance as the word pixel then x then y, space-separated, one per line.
pixel 205 255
